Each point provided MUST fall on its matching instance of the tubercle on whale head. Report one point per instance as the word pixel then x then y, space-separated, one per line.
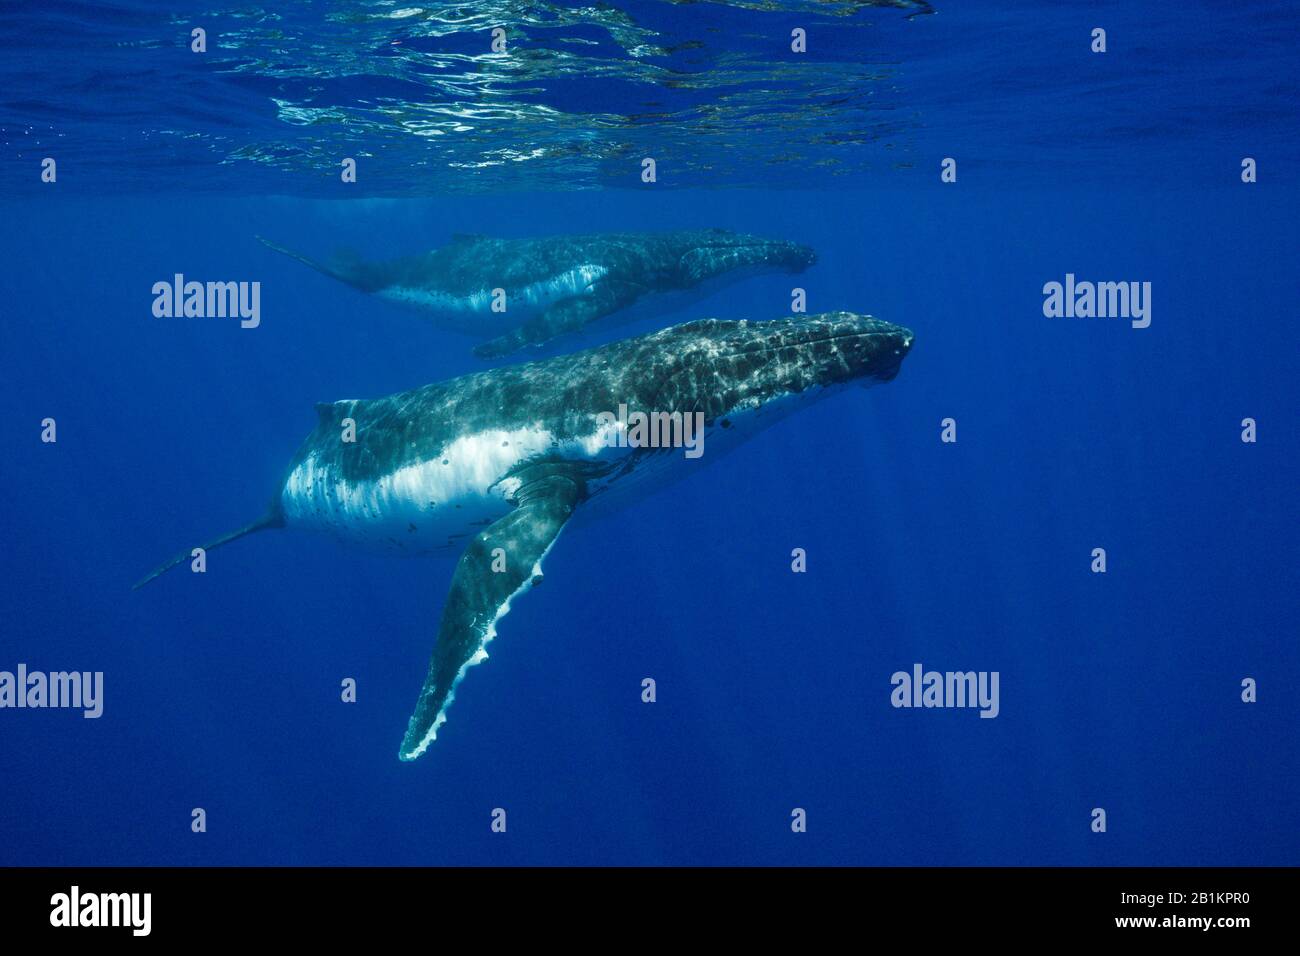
pixel 715 253
pixel 796 257
pixel 736 365
pixel 780 254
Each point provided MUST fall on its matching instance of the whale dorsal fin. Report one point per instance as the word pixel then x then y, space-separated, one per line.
pixel 486 581
pixel 328 412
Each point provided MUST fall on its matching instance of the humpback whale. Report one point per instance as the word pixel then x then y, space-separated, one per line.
pixel 556 285
pixel 496 463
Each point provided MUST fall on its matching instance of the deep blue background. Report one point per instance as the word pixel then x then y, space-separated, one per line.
pixel 1118 690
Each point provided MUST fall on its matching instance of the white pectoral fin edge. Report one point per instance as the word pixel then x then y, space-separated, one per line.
pixel 480 596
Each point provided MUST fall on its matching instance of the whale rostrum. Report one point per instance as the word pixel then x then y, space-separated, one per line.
pixel 495 464
pixel 519 293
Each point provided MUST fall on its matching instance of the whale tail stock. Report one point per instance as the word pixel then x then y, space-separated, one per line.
pixel 272 519
pixel 347 267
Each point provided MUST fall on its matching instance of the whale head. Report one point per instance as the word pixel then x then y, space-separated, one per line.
pixel 726 367
pixel 712 254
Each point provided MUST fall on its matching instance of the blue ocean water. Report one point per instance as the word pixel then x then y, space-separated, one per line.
pixel 1119 691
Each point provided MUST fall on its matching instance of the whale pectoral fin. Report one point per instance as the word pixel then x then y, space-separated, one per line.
pixel 567 315
pixel 502 562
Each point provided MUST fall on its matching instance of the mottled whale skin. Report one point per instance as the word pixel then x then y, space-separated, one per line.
pixel 558 284
pixel 494 464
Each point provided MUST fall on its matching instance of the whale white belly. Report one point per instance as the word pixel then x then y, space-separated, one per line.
pixel 473 313
pixel 413 510
pixel 424 506
pixel 440 502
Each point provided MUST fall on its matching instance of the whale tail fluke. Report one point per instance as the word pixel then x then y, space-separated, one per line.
pixel 347 267
pixel 272 519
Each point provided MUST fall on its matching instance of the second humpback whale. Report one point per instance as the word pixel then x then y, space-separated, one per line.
pixel 524 292
pixel 504 458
